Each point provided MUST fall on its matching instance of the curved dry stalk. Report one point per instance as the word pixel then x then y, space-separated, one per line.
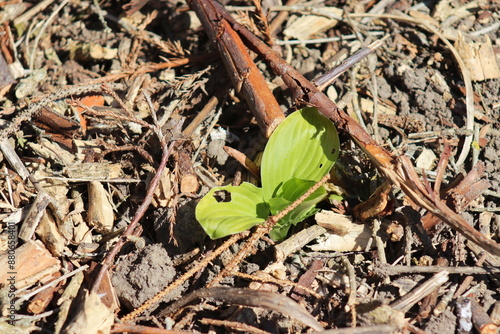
pixel 254 298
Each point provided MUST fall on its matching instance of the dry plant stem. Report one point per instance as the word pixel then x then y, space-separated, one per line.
pixel 148 68
pixel 42 30
pixel 407 301
pixel 34 216
pixel 233 325
pixel 468 280
pixel 374 89
pixel 390 270
pixel 42 300
pixel 276 281
pixel 28 15
pixel 243 160
pixel 201 264
pixel 354 96
pixel 202 115
pixel 351 301
pixel 124 328
pixel 53 283
pixel 399 171
pixel 429 302
pixel 253 298
pixel 378 241
pixel 445 300
pixel 328 78
pixel 281 17
pixel 137 217
pixel 297 241
pixel 441 167
pixel 107 89
pixel 109 113
pixel 12 157
pixel 245 251
pixel 243 72
pixel 413 329
pixel 261 230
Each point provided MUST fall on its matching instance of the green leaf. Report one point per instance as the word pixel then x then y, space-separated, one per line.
pixel 305 146
pixel 291 191
pixel 228 210
pixel 300 152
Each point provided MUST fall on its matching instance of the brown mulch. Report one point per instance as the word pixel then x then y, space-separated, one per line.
pixel 116 120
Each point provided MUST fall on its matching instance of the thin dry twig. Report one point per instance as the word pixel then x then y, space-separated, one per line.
pixel 407 301
pixel 233 325
pixel 279 282
pixel 108 262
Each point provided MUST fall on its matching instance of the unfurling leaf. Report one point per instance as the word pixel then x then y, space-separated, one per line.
pixel 305 146
pixel 299 153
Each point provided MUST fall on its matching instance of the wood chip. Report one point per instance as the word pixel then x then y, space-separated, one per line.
pixel 49 234
pixel 92 316
pixel 33 263
pixel 356 237
pixel 100 213
pixel 426 159
pixel 479 58
pixel 164 193
pixel 307 26
pixel 189 184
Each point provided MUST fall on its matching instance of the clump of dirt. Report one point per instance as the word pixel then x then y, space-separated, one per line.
pixel 142 274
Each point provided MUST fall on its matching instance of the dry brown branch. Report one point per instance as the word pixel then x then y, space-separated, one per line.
pixel 242 70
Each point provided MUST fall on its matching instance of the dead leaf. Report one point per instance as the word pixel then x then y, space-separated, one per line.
pixel 92 316
pixel 100 212
pixel 479 58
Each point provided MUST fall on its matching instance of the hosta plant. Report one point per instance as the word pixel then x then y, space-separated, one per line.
pixel 299 153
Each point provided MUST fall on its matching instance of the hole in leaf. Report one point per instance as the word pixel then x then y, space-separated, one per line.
pixel 320 165
pixel 333 151
pixel 222 196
